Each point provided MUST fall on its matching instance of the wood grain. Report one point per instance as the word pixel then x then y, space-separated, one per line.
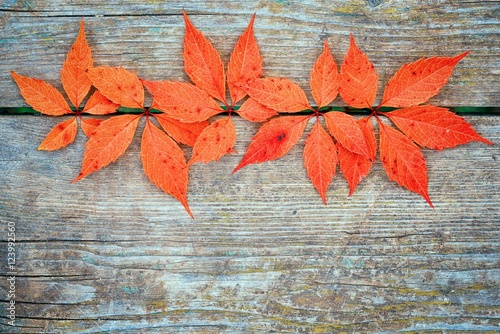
pixel 146 36
pixel 112 253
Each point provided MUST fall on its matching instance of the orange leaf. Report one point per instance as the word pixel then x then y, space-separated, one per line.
pixel 98 104
pixel 214 141
pixel 279 94
pixel 417 82
pixel 274 139
pixel 182 101
pixel 253 111
pixel 89 125
pixel 324 78
pixel 358 79
pixel 403 161
pixel 202 62
pixel 434 127
pixel 42 96
pixel 73 76
pixel 60 136
pixel 356 167
pixel 346 130
pixel 185 133
pixel 245 63
pixel 320 159
pixel 108 143
pixel 164 163
pixel 118 85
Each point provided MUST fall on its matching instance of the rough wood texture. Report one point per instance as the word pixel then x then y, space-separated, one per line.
pixel 112 253
pixel 147 37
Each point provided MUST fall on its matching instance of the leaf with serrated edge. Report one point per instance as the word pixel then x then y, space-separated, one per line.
pixel 403 161
pixel 185 133
pixel 324 78
pixel 60 136
pixel 358 79
pixel 417 82
pixel 355 167
pixel 274 139
pixel 73 77
pixel 279 94
pixel 164 163
pixel 215 140
pixel 434 127
pixel 42 96
pixel 118 85
pixel 320 159
pixel 182 101
pixel 346 130
pixel 245 63
pixel 98 104
pixel 89 125
pixel 202 62
pixel 253 111
pixel 108 143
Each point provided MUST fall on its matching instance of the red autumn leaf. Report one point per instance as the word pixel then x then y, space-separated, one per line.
pixel 89 125
pixel 108 143
pixel 185 133
pixel 98 104
pixel 347 131
pixel 356 167
pixel 214 141
pixel 320 159
pixel 279 94
pixel 118 85
pixel 41 95
pixel 358 79
pixel 434 127
pixel 60 136
pixel 182 101
pixel 245 63
pixel 202 62
pixel 417 82
pixel 403 161
pixel 274 139
pixel 324 78
pixel 73 76
pixel 253 111
pixel 164 163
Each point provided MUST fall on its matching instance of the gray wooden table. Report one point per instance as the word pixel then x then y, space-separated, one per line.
pixel 113 254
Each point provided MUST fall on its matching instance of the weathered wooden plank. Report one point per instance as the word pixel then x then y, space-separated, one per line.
pixel 147 37
pixel 113 254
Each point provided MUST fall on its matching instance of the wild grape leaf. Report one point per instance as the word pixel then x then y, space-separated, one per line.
pixel 46 99
pixel 320 159
pixel 60 136
pixel 253 111
pixel 358 79
pixel 279 94
pixel 347 132
pixel 108 143
pixel 202 62
pixel 434 127
pixel 215 140
pixel 182 101
pixel 185 133
pixel 245 63
pixel 274 139
pixel 403 161
pixel 417 82
pixel 355 167
pixel 164 163
pixel 324 78
pixel 73 76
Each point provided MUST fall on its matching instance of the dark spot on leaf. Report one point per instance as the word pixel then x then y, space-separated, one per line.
pixel 281 136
